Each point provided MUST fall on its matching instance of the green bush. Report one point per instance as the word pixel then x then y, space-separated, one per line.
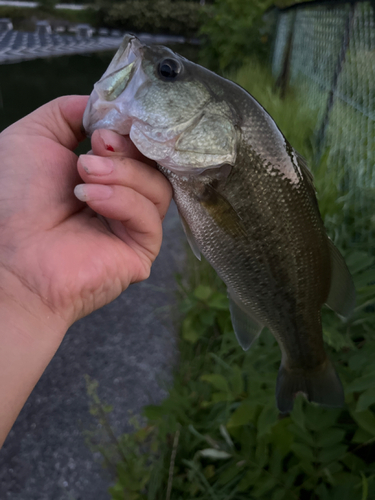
pixel 235 31
pixel 23 17
pixel 153 16
pixel 47 5
pixel 218 434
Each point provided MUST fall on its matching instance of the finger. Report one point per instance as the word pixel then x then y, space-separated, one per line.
pixel 141 227
pixel 60 120
pixel 108 143
pixel 131 173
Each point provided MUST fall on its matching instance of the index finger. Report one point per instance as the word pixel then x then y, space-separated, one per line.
pixel 108 143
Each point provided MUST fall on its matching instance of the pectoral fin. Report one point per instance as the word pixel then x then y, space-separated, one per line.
pixel 245 326
pixel 341 297
pixel 191 240
pixel 221 210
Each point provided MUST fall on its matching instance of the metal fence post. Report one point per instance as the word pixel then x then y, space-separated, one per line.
pixel 339 66
pixel 283 78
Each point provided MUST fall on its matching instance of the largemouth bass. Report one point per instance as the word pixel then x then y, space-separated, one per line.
pixel 246 200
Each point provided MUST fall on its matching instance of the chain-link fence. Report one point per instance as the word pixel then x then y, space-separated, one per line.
pixel 327 51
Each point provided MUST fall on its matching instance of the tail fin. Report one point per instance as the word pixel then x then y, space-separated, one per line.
pixel 322 387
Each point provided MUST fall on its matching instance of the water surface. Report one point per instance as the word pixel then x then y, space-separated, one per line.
pixel 24 86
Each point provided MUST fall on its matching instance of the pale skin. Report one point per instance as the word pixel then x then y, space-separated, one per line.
pixel 58 260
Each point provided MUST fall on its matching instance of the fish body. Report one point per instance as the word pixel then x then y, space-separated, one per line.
pixel 246 200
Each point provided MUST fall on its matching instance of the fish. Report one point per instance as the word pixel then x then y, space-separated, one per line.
pixel 246 200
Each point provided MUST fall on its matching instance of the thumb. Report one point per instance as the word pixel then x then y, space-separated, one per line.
pixel 59 120
pixel 39 167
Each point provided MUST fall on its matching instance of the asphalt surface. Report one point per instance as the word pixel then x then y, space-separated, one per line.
pixel 129 347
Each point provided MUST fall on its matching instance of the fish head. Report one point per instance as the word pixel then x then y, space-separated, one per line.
pixel 167 105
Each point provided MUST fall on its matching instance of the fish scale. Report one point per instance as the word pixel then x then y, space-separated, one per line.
pixel 246 200
pixel 239 275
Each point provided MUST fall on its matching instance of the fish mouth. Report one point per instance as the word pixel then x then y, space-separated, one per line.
pixel 112 84
pixel 110 87
pixel 120 71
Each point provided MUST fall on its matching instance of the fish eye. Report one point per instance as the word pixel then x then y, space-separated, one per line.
pixel 169 68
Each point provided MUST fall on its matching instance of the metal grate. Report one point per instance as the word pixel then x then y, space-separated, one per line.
pixel 327 50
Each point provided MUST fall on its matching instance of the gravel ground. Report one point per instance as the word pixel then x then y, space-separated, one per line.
pixel 129 347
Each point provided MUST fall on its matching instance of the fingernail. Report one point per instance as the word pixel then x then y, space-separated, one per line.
pixel 96 165
pixel 112 141
pixel 93 192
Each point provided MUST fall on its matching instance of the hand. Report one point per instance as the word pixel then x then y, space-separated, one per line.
pixel 58 260
pixel 53 244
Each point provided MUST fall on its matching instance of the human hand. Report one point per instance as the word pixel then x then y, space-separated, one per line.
pixel 55 253
pixel 58 260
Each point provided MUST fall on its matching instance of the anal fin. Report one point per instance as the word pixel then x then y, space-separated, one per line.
pixel 245 326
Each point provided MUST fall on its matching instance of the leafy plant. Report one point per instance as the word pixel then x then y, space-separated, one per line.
pixel 231 440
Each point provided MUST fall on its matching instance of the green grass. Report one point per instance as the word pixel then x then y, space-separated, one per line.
pixel 295 121
pixel 218 434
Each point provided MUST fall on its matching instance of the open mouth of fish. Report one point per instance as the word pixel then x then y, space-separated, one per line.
pixel 115 80
pixel 102 108
pixel 118 102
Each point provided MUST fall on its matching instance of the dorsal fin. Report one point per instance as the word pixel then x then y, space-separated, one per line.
pixel 302 163
pixel 307 175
